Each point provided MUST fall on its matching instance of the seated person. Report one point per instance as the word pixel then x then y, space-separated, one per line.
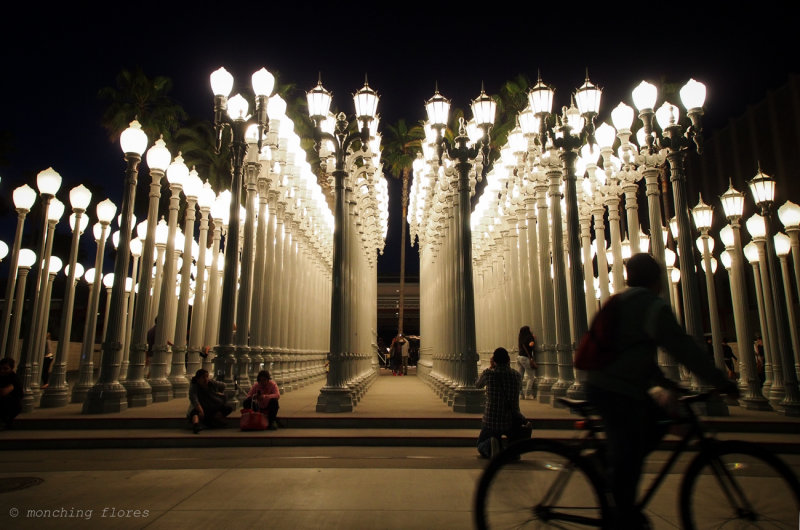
pixel 501 415
pixel 207 402
pixel 10 393
pixel 265 395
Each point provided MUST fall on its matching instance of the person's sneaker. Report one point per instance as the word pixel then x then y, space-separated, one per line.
pixel 495 447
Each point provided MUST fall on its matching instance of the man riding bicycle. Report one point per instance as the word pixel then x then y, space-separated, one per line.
pixel 620 390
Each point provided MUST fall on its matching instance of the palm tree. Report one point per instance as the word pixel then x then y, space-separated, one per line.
pixel 197 143
pixel 137 96
pixel 400 148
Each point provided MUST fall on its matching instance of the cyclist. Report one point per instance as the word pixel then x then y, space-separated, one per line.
pixel 620 390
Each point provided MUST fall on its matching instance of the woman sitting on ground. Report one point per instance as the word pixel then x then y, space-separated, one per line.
pixel 207 402
pixel 265 393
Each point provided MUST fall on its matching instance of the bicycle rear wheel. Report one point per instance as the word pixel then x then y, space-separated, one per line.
pixel 540 484
pixel 739 485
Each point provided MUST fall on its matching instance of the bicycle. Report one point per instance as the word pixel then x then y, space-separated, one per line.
pixel 544 483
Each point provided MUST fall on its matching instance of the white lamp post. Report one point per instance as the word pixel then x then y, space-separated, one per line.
pixel 24 197
pixel 789 214
pixel 57 393
pixel 204 201
pixel 108 395
pixel 783 246
pixel 26 260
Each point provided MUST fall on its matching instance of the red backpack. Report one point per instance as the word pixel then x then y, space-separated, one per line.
pixel 598 347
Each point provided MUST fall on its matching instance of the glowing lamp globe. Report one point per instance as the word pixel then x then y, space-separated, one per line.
pixel 177 172
pixel 713 265
pixel 540 98
pixel 221 82
pixel 24 197
pixel 622 117
pixel 192 186
pixel 438 110
pixel 133 139
pixel 263 82
pixel 751 252
pixel 158 156
pixel 56 210
pixel 763 188
pixel 726 235
pixel 605 135
pixel 141 230
pixel 667 115
pixel 644 96
pixel 484 109
pixel 106 211
pixel 55 265
pixel 3 250
pixel 319 102
pixel 693 94
pixel 699 243
pixel 206 197
pixel 79 197
pixel 703 215
pixel 89 275
pixel 238 107
pixel 732 202
pixel 108 280
pixel 162 232
pixel 366 103
pixel 48 181
pixel 135 247
pixel 756 226
pixel 27 258
pixel 725 258
pixel 276 107
pixel 78 271
pixel 84 222
pixel 588 98
pixel 675 276
pixel 789 214
pixel 669 257
pixel 783 244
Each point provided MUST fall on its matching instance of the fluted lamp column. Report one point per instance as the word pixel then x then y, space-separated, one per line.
pixel 24 197
pixel 27 258
pixel 782 248
pixel 57 393
pixel 108 395
pixel 762 187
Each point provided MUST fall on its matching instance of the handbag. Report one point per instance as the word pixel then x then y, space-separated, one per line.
pixel 252 421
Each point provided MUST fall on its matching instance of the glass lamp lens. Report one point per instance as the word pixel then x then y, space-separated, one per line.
pixel 27 258
pixel 483 110
pixel 276 107
pixel 106 211
pixel 756 226
pixel 24 197
pixel 751 252
pixel 644 96
pixel 56 210
pixel 702 214
pixel 588 98
pixel 158 156
pixel 366 103
pixel 133 139
pixel 438 110
pixel 79 197
pixel 763 188
pixel 667 115
pixel 221 82
pixel 605 135
pixel 3 250
pixel 726 236
pixel 732 202
pixel 162 232
pixel 782 244
pixel 263 82
pixel 48 181
pixel 541 98
pixel 528 121
pixel 177 172
pixel 319 102
pixel 693 94
pixel 238 107
pixel 622 117
pixel 192 185
pixel 789 215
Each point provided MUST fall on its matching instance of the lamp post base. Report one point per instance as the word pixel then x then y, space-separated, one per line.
pixel 789 408
pixel 105 398
pixel 755 403
pixel 335 400
pixel 469 400
pixel 140 394
pixel 54 398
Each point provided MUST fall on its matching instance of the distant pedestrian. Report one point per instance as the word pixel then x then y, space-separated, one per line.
pixel 526 361
pixel 729 357
pixel 404 353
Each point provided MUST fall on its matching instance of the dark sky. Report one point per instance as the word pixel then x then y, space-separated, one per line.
pixel 55 60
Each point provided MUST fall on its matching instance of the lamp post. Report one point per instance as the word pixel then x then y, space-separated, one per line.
pixel 26 260
pixel 108 395
pixel 782 248
pixel 177 173
pixel 789 215
pixel 753 255
pixel 34 347
pixel 466 397
pixel 57 393
pixel 192 186
pixel 136 253
pixel 205 200
pixel 24 197
pixel 763 188
pixel 48 182
pixel 703 216
pixel 733 205
pixel 139 391
pixel 237 120
pixel 335 396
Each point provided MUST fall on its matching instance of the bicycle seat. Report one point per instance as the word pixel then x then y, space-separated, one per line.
pixel 582 407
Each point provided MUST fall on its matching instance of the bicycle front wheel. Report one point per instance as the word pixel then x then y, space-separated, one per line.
pixel 739 485
pixel 540 484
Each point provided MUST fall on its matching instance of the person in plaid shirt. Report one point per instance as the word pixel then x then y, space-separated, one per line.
pixel 501 415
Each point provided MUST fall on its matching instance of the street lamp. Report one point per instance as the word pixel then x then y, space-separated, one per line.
pixel 26 260
pixel 237 120
pixel 783 246
pixel 138 390
pixel 57 393
pixel 24 197
pixel 733 205
pixel 108 395
pixel 789 214
pixel 205 200
pixel 762 187
pixel 463 153
pixel 335 396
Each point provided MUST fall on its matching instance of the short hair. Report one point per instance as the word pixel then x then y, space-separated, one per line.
pixel 8 361
pixel 263 373
pixel 500 356
pixel 200 373
pixel 643 271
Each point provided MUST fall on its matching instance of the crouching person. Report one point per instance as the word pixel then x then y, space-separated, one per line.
pixel 265 395
pixel 207 402
pixel 501 415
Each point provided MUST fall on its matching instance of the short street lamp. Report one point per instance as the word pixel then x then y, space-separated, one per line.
pixel 335 396
pixel 763 188
pixel 238 121
pixel 466 398
pixel 108 395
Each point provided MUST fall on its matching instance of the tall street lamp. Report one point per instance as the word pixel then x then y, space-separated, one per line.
pixel 24 197
pixel 466 397
pixel 108 395
pixel 731 235
pixel 703 216
pixel 335 396
pixel 27 258
pixel 237 120
pixel 763 188
pixel 57 393
pixel 782 247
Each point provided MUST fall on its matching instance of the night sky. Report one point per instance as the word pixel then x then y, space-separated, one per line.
pixel 56 59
